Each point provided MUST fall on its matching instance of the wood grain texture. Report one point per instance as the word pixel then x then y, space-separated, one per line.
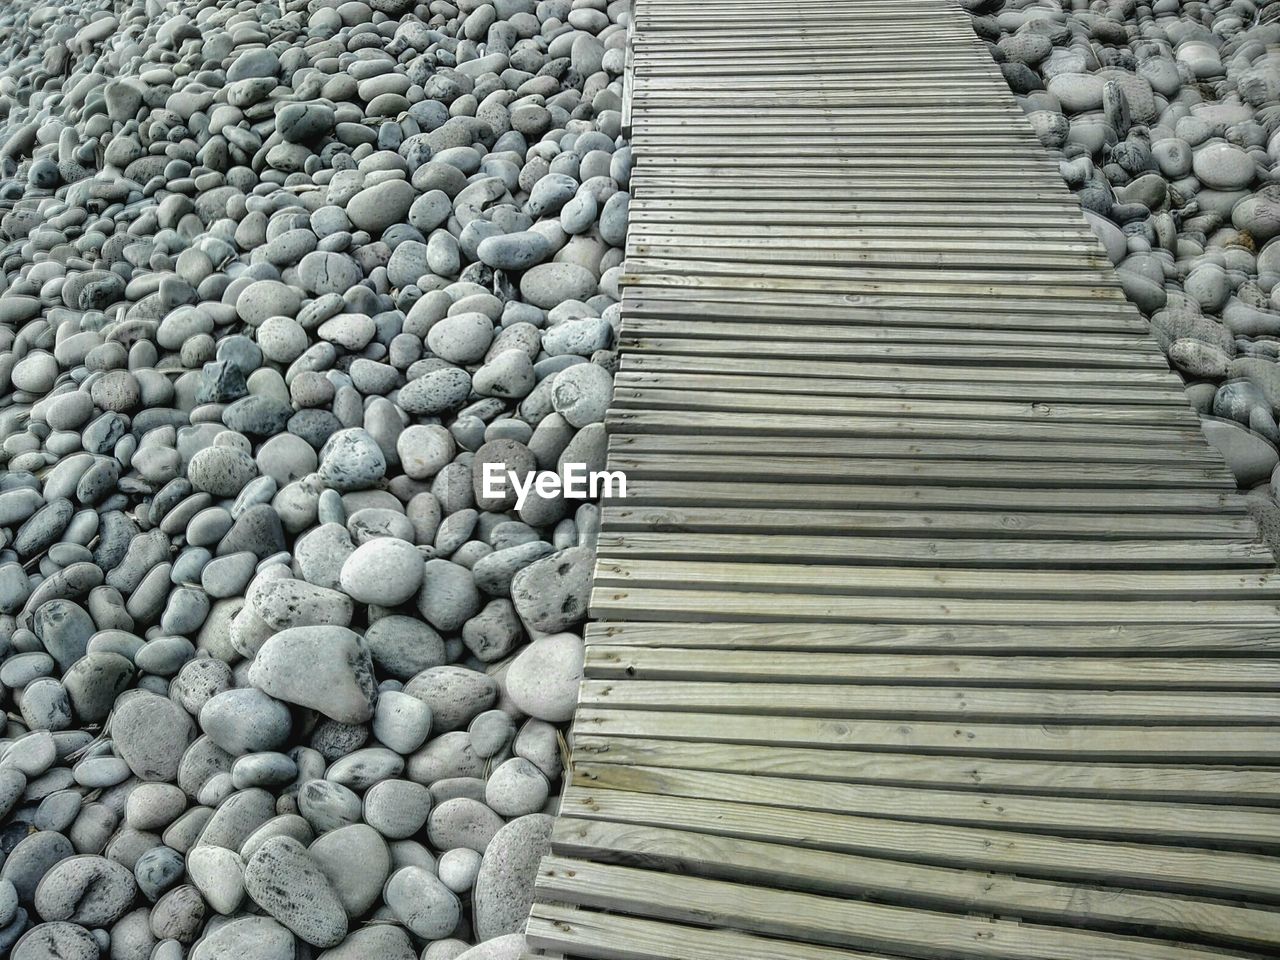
pixel 930 625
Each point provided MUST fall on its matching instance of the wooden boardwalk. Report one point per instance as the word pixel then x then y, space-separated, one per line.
pixel 931 626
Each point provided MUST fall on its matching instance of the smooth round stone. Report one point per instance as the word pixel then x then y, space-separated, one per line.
pixel 228 576
pixel 462 338
pixel 455 694
pixel 151 733
pixel 267 298
pixel 457 869
pixel 1259 214
pixel 422 903
pixel 514 251
pixel 56 941
pixel 328 805
pixel 99 772
pixel 89 890
pixel 462 822
pixel 516 788
pixel 581 394
pixel 435 392
pixel 32 858
pixel 490 732
pixel 218 873
pixel 378 207
pixel 268 769
pixel 245 720
pixel 321 272
pixel 401 721
pixel 548 284
pixel 35 373
pixel 383 941
pixel 286 883
pixel 259 938
pixel 1224 166
pixel 397 809
pixel 424 450
pixel 352 460
pixel 356 860
pixel 384 571
pixel 403 647
pixel 543 679
pixel 153 806
pixel 1251 458
pixel 1077 92
pixel 449 596
pixel 326 668
pixel 282 339
pixel 503 891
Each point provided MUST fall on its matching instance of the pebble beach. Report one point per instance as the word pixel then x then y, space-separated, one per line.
pixel 1166 120
pixel 281 285
pixel 283 679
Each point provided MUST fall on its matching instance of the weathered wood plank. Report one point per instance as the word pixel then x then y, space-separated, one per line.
pixel 843 923
pixel 915 885
pixel 1108 639
pixel 857 698
pixel 1251 746
pixel 606 936
pixel 921 551
pixel 935 628
pixel 629 662
pixel 1234 876
pixel 664 603
pixel 1250 786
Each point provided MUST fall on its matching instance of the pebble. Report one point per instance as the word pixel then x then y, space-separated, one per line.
pixel 287 883
pixel 422 903
pixel 385 571
pixel 503 890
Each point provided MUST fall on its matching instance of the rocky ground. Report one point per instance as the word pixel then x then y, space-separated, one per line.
pixel 278 279
pixel 1166 116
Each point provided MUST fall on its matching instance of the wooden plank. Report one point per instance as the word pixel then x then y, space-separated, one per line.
pixel 929 887
pixel 642 491
pixel 627 662
pixel 726 423
pixel 1109 639
pixel 895 581
pixel 914 522
pixel 1240 877
pixel 990 377
pixel 921 551
pixel 887 353
pixel 662 603
pixel 816 255
pixel 1008 452
pixel 1247 746
pixel 607 936
pixel 1222 783
pixel 856 699
pixel 649 397
pixel 644 324
pixel 958 473
pixel 677 302
pixel 842 923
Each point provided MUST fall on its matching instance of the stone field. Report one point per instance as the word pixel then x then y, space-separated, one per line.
pixel 279 279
